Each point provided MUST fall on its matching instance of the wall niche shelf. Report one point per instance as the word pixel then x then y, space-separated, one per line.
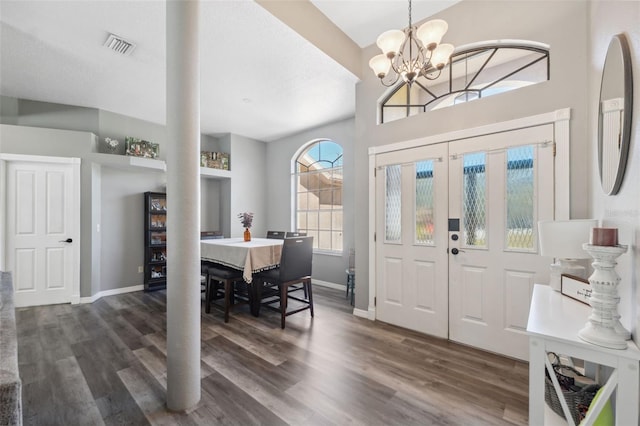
pixel 210 173
pixel 128 162
pixel 141 164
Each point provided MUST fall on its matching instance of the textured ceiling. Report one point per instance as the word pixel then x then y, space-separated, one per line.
pixel 259 78
pixel 364 20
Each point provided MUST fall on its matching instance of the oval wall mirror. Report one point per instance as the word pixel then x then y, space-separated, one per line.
pixel 614 116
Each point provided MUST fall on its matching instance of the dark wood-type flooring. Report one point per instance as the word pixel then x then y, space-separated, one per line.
pixel 105 363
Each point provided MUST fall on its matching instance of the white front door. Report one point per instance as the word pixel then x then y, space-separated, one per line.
pixel 500 185
pixel 456 236
pixel 42 229
pixel 411 239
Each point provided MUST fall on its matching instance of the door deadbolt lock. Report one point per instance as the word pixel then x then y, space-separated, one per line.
pixel 454 237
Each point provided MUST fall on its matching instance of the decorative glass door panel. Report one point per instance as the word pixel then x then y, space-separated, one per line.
pixel 499 195
pixel 521 200
pixel 411 220
pixel 424 208
pixel 393 203
pixel 474 199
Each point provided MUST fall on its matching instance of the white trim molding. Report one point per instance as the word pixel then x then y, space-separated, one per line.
pixel 561 124
pixel 111 292
pixel 368 314
pixel 329 284
pixel 74 162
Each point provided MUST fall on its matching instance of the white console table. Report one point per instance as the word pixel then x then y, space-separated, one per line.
pixel 554 322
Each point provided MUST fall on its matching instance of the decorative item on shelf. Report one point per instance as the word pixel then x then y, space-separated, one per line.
pixel 604 327
pixel 604 237
pixel 412 52
pixel 576 288
pixel 214 160
pixel 141 148
pixel 246 219
pixel 563 240
pixel 110 146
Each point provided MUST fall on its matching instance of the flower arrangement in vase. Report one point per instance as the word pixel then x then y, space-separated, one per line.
pixel 246 219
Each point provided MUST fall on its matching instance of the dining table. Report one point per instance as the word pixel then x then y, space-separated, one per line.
pixel 255 255
pixel 258 254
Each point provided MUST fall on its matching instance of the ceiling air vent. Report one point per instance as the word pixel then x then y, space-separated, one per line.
pixel 119 45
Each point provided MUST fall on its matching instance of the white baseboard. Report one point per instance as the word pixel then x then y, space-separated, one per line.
pixel 140 287
pixel 363 313
pixel 329 284
pixel 112 292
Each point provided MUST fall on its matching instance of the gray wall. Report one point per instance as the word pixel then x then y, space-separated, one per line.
pixel 24 112
pixel 122 228
pixel 561 24
pixel 606 19
pixel 326 267
pixel 61 143
pixel 111 198
pixel 248 186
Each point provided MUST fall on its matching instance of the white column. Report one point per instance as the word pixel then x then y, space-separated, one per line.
pixel 183 205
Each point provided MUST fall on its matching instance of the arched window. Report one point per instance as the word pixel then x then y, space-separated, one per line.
pixel 475 71
pixel 317 181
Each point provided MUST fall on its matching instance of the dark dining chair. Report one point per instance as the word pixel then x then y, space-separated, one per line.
pixel 221 282
pixel 351 275
pixel 291 234
pixel 228 284
pixel 295 267
pixel 207 235
pixel 295 234
pixel 275 235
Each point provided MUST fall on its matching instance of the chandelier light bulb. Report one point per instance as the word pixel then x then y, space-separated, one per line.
pixel 430 33
pixel 380 65
pixel 390 41
pixel 441 55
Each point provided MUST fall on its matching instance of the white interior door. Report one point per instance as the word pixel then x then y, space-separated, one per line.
pixel 42 229
pixel 500 186
pixel 411 239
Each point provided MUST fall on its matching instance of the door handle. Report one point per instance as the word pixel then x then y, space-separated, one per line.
pixel 68 240
pixel 455 251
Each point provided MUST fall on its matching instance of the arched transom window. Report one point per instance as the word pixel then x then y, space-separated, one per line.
pixel 318 194
pixel 475 71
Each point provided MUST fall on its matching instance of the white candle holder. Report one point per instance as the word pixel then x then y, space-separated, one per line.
pixel 604 327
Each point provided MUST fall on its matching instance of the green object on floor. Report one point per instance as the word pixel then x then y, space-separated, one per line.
pixel 605 418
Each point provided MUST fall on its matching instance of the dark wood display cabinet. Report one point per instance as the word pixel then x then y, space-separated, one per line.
pixel 155 241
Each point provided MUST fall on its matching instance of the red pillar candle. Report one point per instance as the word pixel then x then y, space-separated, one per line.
pixel 604 236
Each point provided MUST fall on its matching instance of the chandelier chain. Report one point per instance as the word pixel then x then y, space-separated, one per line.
pixel 409 13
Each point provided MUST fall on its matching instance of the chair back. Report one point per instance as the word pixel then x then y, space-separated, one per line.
pixel 297 256
pixel 295 234
pixel 275 235
pixel 210 235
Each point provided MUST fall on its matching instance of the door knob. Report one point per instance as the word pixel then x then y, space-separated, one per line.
pixel 455 251
pixel 68 240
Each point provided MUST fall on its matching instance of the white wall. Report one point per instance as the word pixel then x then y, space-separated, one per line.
pixel 607 18
pixel 561 24
pixel 329 268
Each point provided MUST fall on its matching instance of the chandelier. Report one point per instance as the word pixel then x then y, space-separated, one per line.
pixel 412 53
